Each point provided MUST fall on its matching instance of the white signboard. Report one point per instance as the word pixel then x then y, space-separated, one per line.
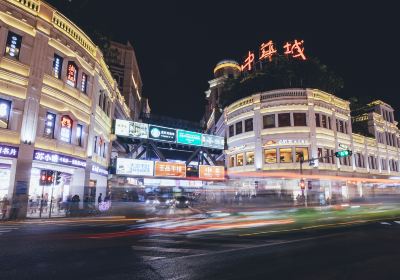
pixel 212 141
pixel 131 129
pixel 129 166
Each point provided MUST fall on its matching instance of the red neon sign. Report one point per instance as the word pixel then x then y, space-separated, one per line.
pixel 295 49
pixel 248 61
pixel 267 50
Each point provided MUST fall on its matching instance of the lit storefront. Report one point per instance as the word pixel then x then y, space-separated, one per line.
pixel 58 124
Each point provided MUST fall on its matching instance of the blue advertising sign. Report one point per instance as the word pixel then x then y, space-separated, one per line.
pixel 162 133
pixel 58 159
pixel 189 137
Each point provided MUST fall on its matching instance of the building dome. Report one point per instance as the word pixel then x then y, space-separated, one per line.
pixel 227 68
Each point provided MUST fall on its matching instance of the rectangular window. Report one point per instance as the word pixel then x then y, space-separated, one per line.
pixel 239 159
pixel 340 126
pixel 232 161
pixel 249 158
pixel 248 125
pixel 231 131
pixel 324 121
pixel 285 155
pixel 95 145
pixel 299 119
pixel 79 132
pixel 269 121
pixel 345 127
pixel 66 129
pixel 13 45
pixel 84 82
pixel 104 150
pixel 270 156
pixel 301 152
pixel 5 109
pixel 72 74
pixel 317 120
pixel 320 155
pixel 239 128
pixel 49 125
pixel 284 119
pixel 329 123
pixel 57 66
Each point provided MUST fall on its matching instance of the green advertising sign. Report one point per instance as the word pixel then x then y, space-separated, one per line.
pixel 189 137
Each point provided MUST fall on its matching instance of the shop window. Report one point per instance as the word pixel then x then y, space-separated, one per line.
pixel 269 121
pixel 324 121
pixel 13 45
pixel 317 120
pixel 5 109
pixel 49 125
pixel 72 74
pixel 232 161
pixel 248 125
pixel 299 119
pixel 284 119
pixel 66 129
pixel 285 155
pixel 231 131
pixel 79 133
pixel 57 66
pixel 84 82
pixel 301 152
pixel 270 156
pixel 239 159
pixel 239 128
pixel 249 158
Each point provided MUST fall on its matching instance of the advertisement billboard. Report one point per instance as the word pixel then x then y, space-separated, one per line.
pixel 212 141
pixel 129 166
pixel 170 169
pixel 188 137
pixel 211 172
pixel 131 129
pixel 162 133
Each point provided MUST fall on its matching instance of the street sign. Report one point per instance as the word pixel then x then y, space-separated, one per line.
pixel 189 137
pixel 343 146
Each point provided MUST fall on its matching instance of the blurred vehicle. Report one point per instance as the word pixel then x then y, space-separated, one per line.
pixel 152 201
pixel 165 201
pixel 182 202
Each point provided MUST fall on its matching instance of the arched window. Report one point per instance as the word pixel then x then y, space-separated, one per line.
pixel 66 129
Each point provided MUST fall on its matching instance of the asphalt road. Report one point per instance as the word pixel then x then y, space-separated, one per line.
pixel 116 248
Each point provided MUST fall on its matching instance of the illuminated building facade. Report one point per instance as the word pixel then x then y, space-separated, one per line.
pixel 57 101
pixel 267 133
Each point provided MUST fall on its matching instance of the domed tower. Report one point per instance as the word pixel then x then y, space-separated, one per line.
pixel 227 68
pixel 224 70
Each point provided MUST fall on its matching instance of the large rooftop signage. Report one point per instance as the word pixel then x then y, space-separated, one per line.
pixel 159 133
pixel 294 49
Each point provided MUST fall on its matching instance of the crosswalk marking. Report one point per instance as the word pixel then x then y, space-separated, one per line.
pixel 5 229
pixel 152 258
pixel 386 223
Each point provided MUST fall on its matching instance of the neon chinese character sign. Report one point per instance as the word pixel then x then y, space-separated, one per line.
pixel 72 74
pixel 267 50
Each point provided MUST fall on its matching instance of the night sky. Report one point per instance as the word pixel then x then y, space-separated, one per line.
pixel 178 43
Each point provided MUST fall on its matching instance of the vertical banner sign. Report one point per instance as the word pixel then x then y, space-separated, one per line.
pixel 162 133
pixel 170 169
pixel 189 137
pixel 208 172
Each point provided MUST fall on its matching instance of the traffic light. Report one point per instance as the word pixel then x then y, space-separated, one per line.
pixel 49 177
pixel 343 153
pixel 57 177
pixel 43 177
pixel 302 184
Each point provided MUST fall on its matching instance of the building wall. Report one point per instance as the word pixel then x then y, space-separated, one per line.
pixel 319 123
pixel 33 86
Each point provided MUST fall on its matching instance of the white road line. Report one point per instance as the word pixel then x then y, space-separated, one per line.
pixel 154 240
pixel 195 242
pixel 168 250
pixel 152 258
pixel 397 222
pixel 385 223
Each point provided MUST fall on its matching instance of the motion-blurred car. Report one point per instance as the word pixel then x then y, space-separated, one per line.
pixel 182 202
pixel 152 201
pixel 165 202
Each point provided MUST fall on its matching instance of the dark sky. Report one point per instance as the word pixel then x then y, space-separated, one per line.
pixel 178 43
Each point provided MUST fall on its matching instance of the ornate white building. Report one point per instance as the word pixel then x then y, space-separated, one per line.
pixel 57 102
